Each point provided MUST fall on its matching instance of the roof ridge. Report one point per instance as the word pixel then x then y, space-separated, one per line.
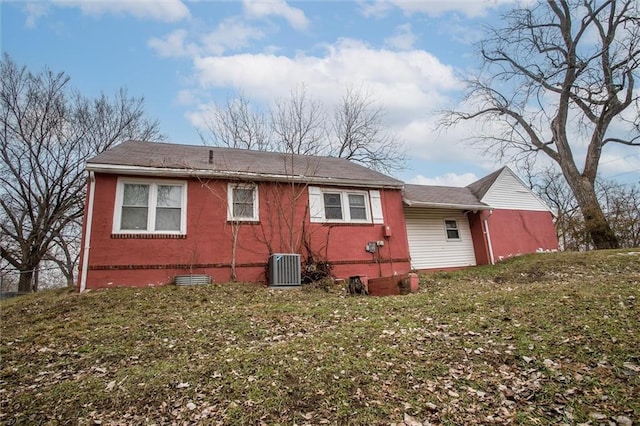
pixel 244 150
pixel 482 185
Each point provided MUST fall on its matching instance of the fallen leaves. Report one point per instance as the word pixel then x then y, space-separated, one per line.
pixel 234 354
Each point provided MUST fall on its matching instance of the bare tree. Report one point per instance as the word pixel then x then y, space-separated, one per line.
pixel 553 189
pixel 236 125
pixel 64 251
pixel 359 134
pixel 297 124
pixel 560 76
pixel 620 202
pixel 48 132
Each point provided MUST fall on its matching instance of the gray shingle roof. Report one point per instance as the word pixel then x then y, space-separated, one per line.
pixel 138 157
pixel 480 187
pixel 441 197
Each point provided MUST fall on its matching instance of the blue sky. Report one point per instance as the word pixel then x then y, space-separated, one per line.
pixel 183 56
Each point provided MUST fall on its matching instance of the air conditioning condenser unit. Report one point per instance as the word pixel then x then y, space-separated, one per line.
pixel 284 270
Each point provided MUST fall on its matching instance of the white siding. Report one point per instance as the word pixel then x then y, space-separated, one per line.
pixel 508 192
pixel 428 243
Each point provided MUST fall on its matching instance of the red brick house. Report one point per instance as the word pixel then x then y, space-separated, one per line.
pixel 155 211
pixel 158 210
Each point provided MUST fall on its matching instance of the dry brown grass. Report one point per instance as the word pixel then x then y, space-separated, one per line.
pixel 540 339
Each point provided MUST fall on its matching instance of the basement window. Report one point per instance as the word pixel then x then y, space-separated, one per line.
pixel 452 230
pixel 150 207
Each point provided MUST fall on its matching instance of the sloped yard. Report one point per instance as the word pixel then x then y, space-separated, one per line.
pixel 540 339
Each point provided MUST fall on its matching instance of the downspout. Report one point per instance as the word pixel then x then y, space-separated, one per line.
pixel 87 237
pixel 486 231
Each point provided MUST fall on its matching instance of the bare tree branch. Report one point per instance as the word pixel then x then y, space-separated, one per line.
pixel 562 71
pixel 359 134
pixel 236 125
pixel 48 132
pixel 298 125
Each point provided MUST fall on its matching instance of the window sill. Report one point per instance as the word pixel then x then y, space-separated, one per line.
pixel 149 236
pixel 243 222
pixel 346 223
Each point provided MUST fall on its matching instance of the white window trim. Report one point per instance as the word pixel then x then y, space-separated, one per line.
pixel 153 193
pixel 256 205
pixel 446 234
pixel 371 204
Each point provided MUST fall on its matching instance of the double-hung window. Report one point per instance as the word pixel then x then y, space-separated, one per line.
pixel 144 206
pixel 358 207
pixel 344 206
pixel 333 205
pixel 452 230
pixel 242 202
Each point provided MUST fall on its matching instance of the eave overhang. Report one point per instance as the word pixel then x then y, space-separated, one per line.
pixel 424 204
pixel 237 175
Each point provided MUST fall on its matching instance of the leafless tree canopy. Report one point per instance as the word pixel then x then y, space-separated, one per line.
pixel 236 125
pixel 359 134
pixel 620 202
pixel 559 79
pixel 48 133
pixel 300 124
pixel 297 124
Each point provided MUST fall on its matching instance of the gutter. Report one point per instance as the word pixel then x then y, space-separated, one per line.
pixel 471 207
pixel 205 173
pixel 486 231
pixel 87 237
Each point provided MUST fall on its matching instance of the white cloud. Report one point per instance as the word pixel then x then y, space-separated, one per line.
pixel 34 11
pixel 186 97
pixel 409 85
pixel 199 116
pixel 263 8
pixel 375 9
pixel 164 11
pixel 620 162
pixel 400 80
pixel 403 39
pixel 448 179
pixel 173 45
pixel 426 141
pixel 470 8
pixel 230 34
pixel 461 32
pixel 233 34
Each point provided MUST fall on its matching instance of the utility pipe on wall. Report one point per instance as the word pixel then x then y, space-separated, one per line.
pixel 486 231
pixel 87 237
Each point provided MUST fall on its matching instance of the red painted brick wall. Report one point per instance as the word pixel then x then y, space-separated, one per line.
pixel 513 232
pixel 284 226
pixel 480 246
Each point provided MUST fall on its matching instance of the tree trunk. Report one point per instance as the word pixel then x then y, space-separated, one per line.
pixel 595 222
pixel 68 275
pixel 24 284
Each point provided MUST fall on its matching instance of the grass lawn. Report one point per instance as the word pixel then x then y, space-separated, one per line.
pixel 542 339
